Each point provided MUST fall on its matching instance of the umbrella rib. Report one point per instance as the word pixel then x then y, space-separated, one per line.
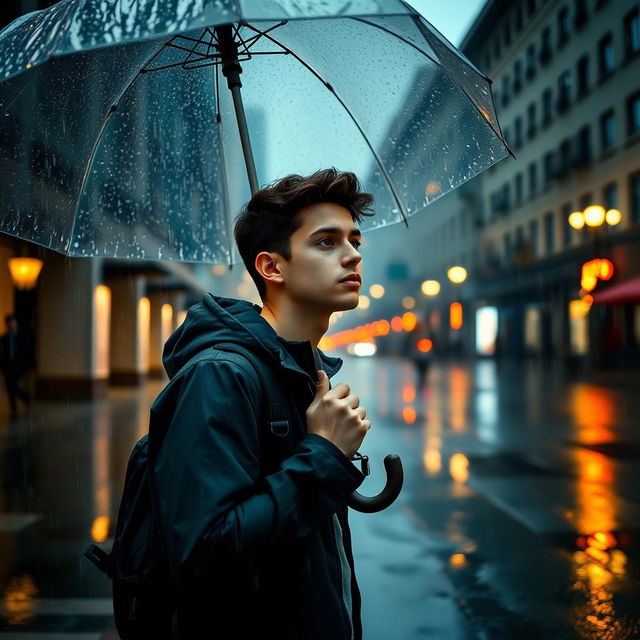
pixel 420 26
pixel 110 112
pixel 355 121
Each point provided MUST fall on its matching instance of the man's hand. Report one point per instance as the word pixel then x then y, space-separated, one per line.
pixel 336 416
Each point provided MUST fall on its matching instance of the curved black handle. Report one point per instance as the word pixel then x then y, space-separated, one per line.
pixel 395 478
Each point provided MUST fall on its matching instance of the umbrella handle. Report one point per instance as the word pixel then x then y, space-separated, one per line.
pixel 395 478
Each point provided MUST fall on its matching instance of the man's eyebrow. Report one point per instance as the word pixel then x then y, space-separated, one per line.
pixel 334 230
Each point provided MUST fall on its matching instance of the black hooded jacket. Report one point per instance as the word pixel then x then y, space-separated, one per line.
pixel 253 523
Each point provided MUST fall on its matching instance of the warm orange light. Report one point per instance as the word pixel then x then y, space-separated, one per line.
pixel 376 290
pixel 396 323
pixel 25 272
pixel 409 415
pixel 576 220
pixel 425 345
pixel 408 393
pixel 605 269
pixel 579 308
pixel 100 529
pixel 600 268
pixel 432 189
pixel 457 560
pixel 459 467
pixel 409 321
pixel 408 302
pixel 455 315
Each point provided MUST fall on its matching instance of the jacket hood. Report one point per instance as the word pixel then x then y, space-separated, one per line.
pixel 216 319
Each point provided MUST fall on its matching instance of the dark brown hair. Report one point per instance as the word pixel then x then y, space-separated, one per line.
pixel 268 220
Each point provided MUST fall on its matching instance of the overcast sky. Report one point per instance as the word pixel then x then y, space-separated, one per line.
pixel 452 19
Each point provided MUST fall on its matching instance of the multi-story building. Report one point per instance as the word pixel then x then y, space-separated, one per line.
pixel 567 91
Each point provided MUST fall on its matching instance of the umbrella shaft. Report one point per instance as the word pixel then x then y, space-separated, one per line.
pixel 244 139
pixel 231 69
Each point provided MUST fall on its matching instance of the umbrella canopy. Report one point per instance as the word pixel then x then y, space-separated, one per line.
pixel 119 138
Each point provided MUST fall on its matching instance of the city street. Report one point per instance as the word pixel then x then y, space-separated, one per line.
pixel 518 518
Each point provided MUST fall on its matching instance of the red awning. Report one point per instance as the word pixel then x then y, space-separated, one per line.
pixel 624 292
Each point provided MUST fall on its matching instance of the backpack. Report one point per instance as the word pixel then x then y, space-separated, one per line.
pixel 144 595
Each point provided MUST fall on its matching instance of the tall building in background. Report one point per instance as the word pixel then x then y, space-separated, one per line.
pixel 567 90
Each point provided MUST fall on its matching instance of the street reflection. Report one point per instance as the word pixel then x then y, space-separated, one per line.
pixel 594 412
pixel 458 398
pixel 598 569
pixel 20 600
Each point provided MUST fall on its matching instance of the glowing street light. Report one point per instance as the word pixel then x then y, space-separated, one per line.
pixel 457 274
pixel 376 290
pixel 430 287
pixel 25 272
pixel 594 215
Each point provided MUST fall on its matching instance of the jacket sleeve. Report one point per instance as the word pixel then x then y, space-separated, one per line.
pixel 214 505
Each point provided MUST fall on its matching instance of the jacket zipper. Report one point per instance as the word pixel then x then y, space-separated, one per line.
pixel 338 556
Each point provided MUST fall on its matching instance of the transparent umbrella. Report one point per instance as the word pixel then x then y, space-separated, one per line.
pixel 119 138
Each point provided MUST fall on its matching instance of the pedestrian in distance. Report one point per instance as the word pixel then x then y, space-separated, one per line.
pixel 16 359
pixel 249 444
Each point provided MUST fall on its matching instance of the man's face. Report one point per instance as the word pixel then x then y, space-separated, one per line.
pixel 323 251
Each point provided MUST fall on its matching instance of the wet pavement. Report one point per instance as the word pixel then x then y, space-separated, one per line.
pixel 519 518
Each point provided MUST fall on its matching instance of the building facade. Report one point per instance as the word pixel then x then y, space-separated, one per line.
pixel 567 91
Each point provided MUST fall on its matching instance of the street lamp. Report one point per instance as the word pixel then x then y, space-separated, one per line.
pixel 25 272
pixel 457 274
pixel 430 287
pixel 594 216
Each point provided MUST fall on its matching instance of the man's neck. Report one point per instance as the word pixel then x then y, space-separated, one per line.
pixel 292 322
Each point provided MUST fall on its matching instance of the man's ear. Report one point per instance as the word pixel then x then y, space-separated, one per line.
pixel 268 266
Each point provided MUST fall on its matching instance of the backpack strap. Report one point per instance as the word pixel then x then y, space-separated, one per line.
pixel 277 420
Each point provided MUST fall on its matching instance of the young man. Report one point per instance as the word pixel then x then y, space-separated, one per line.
pixel 253 506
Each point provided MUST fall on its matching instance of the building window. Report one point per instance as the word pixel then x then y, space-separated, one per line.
pixel 545 46
pixel 531 62
pixel 517 76
pixel 548 162
pixel 548 232
pixel 507 33
pixel 506 90
pixel 531 120
pixel 610 195
pixel 517 142
pixel 583 149
pixel 508 249
pixel 564 159
pixel 582 73
pixel 631 33
pixel 563 27
pixel 518 18
pixel 565 211
pixel 607 130
pixel 519 189
pixel 586 199
pixel 606 60
pixel 633 114
pixel 533 237
pixel 634 195
pixel 547 106
pixel 580 14
pixel 533 179
pixel 564 91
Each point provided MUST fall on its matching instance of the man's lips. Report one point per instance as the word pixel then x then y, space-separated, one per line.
pixel 354 277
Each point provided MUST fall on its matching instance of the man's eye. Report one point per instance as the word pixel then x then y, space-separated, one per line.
pixel 357 244
pixel 325 240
